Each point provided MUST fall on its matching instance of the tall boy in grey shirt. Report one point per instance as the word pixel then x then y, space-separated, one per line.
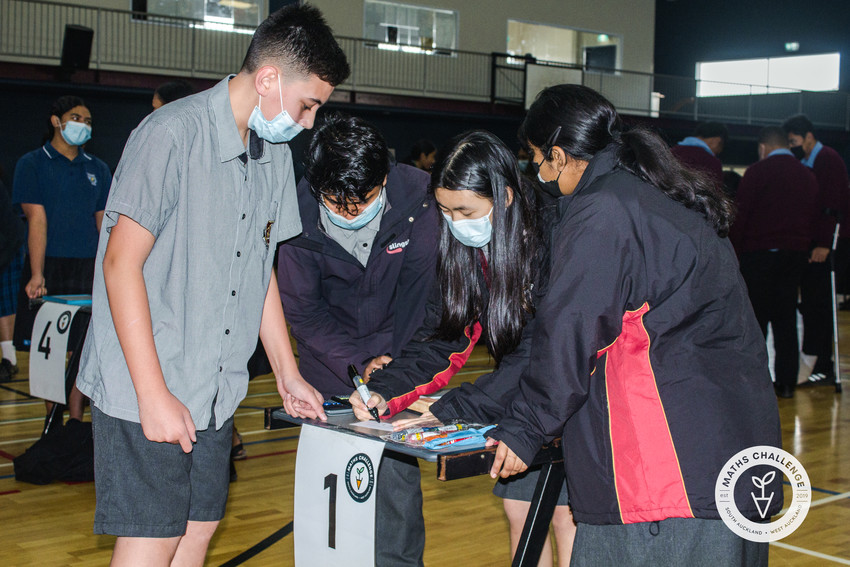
pixel 184 283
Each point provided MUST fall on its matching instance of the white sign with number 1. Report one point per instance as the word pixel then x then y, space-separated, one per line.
pixel 48 350
pixel 336 476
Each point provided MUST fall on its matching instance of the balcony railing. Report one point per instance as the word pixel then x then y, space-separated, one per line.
pixel 32 31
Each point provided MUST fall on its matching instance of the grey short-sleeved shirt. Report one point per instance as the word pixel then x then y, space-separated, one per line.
pixel 217 222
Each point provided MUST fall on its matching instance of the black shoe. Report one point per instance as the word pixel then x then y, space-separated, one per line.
pixel 784 391
pixel 7 370
pixel 821 379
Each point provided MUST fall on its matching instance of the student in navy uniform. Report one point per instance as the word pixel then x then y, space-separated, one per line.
pixel 493 258
pixel 777 202
pixel 816 289
pixel 62 190
pixel 700 151
pixel 354 286
pixel 12 251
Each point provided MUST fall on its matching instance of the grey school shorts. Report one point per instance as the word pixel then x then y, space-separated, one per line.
pixel 149 489
pixel 521 487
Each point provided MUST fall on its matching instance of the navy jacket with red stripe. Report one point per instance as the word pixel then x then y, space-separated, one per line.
pixel 646 358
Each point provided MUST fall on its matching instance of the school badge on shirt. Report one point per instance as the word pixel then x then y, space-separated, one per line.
pixel 267 233
pixel 92 178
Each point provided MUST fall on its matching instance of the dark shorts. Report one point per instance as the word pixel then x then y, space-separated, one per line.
pixel 10 284
pixel 62 276
pixel 521 487
pixel 149 489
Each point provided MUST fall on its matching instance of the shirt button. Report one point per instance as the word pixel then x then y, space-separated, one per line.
pixel 243 216
pixel 233 292
pixel 238 254
pixel 220 369
pixel 410 219
pixel 365 244
pixel 227 331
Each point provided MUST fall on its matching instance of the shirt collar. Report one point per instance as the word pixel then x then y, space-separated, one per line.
pixel 694 141
pixel 53 152
pixel 810 161
pixel 780 152
pixel 229 141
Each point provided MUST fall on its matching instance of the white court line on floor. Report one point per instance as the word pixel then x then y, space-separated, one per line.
pixel 832 498
pixel 826 500
pixel 832 558
pixel 13 441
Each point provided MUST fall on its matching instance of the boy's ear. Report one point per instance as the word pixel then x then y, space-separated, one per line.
pixel 265 79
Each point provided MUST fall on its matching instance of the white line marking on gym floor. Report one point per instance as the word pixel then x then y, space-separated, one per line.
pixel 812 553
pixel 829 499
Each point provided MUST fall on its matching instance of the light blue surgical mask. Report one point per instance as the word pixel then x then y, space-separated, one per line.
pixel 365 217
pixel 471 232
pixel 76 133
pixel 282 128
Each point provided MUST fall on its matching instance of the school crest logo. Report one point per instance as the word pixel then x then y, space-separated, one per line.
pixel 397 247
pixel 360 477
pixel 92 178
pixel 753 476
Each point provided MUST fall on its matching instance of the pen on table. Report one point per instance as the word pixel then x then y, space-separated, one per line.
pixel 360 385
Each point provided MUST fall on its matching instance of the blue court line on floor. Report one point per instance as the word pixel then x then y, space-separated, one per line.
pixel 260 547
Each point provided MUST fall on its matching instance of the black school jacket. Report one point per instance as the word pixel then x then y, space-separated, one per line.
pixel 646 357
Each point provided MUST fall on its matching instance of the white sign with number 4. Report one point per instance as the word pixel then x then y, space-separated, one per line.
pixel 48 350
pixel 336 477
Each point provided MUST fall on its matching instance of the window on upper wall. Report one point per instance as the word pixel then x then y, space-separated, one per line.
pixel 764 76
pixel 409 28
pixel 216 14
pixel 599 52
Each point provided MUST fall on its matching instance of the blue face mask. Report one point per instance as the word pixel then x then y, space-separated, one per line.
pixel 76 133
pixel 361 220
pixel 471 232
pixel 278 130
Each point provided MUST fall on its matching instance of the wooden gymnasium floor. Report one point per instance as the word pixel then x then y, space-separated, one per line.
pixel 52 525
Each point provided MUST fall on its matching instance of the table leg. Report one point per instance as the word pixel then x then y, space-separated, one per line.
pixel 539 515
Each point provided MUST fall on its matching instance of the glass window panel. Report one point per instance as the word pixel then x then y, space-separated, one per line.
pixel 805 72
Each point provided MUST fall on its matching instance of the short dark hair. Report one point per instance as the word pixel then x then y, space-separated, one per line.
pixel 346 158
pixel 799 125
pixel 712 130
pixel 298 39
pixel 173 90
pixel 773 136
pixel 59 107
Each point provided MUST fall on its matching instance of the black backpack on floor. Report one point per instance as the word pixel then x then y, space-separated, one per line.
pixel 66 453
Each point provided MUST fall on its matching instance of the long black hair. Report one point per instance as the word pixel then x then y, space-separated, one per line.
pixel 480 162
pixel 588 123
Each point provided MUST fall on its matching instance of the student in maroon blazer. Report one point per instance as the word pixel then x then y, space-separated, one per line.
pixel 815 290
pixel 777 203
pixel 700 151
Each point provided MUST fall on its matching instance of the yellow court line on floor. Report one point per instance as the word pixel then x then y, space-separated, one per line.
pixel 832 558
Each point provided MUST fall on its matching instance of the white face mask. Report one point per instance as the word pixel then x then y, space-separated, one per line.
pixel 76 133
pixel 475 233
pixel 282 128
pixel 361 220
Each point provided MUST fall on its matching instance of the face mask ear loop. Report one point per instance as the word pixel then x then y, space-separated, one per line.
pixel 280 92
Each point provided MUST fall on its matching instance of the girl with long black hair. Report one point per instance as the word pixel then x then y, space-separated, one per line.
pixel 647 359
pixel 490 271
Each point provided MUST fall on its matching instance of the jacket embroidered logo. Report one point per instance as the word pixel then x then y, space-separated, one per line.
pixel 397 247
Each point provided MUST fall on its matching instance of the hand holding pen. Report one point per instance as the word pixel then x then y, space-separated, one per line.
pixel 360 385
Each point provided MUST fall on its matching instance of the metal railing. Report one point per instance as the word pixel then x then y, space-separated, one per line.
pixel 32 31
